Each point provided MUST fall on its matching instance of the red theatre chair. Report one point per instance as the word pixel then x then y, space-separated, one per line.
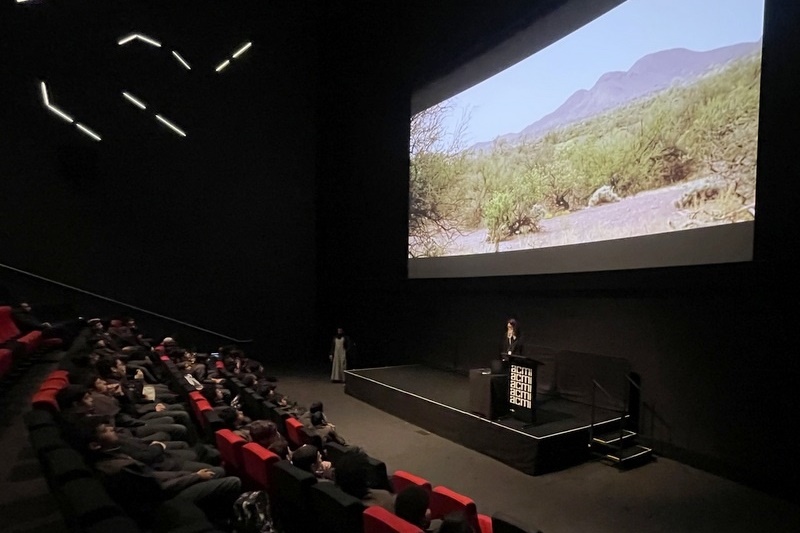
pixel 6 362
pixel 379 520
pixel 295 433
pixel 230 447
pixel 402 479
pixel 10 332
pixel 257 463
pixel 445 501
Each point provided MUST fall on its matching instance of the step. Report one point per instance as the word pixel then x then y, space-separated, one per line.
pixel 612 438
pixel 628 454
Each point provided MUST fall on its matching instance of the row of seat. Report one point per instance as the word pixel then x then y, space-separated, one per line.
pixel 17 347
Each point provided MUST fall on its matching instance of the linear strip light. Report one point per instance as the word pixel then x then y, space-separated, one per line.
pixel 133 100
pixel 172 126
pixel 182 61
pixel 242 50
pixel 133 36
pixel 87 131
pixel 61 114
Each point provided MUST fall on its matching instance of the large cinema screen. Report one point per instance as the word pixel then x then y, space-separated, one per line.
pixel 630 142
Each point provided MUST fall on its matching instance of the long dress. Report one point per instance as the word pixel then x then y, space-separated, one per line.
pixel 339 359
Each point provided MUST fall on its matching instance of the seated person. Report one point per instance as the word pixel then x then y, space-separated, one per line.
pixel 325 430
pixel 308 458
pixel 140 489
pixel 235 420
pixel 352 475
pixel 455 523
pixel 265 433
pixel 412 505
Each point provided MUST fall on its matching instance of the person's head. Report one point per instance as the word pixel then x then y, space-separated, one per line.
pixel 93 434
pixel 97 384
pixel 315 407
pixel 96 324
pixel 279 447
pixel 229 416
pixel 74 397
pixel 339 332
pixel 318 419
pixel 249 380
pixel 25 306
pixel 411 504
pixel 353 472
pixel 107 368
pixel 512 326
pixel 455 523
pixel 263 432
pixel 130 322
pixel 306 457
pixel 211 393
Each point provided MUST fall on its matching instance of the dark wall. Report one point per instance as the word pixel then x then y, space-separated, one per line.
pixel 215 229
pixel 712 344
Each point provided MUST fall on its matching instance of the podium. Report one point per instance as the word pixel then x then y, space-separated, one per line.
pixel 488 393
pixel 522 373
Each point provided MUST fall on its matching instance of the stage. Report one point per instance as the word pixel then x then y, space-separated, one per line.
pixel 439 402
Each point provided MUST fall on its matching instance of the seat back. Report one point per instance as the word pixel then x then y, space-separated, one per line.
pixel 257 465
pixel 8 329
pixel 230 447
pixel 402 479
pixel 378 520
pixel 335 510
pixel 445 501
pixel 290 493
pixel 295 434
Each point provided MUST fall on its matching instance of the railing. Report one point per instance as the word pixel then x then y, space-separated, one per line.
pixel 127 305
pixel 624 413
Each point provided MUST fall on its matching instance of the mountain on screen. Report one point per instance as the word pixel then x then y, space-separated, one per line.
pixel 650 74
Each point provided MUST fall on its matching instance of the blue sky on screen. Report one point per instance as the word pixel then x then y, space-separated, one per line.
pixel 529 90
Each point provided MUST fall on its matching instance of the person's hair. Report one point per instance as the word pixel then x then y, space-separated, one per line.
pixel 105 367
pixel 228 415
pixel 209 392
pixel 455 523
pixel 514 325
pixel 305 457
pixel 263 431
pixel 248 380
pixel 317 418
pixel 315 407
pixel 411 504
pixel 70 395
pixel 279 447
pixel 81 432
pixel 353 472
pixel 90 380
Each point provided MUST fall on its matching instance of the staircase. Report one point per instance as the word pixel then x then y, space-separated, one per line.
pixel 619 446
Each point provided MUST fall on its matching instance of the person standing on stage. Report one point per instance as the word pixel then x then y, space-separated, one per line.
pixel 512 341
pixel 338 355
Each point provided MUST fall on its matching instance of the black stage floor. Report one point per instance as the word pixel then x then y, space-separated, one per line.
pixel 439 401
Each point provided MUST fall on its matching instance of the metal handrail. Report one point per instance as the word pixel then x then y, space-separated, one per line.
pixel 129 306
pixel 624 412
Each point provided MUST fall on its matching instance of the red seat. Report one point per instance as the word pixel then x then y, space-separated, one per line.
pixel 230 447
pixel 257 462
pixel 445 501
pixel 402 479
pixel 46 399
pixel 6 362
pixel 295 433
pixel 9 331
pixel 379 520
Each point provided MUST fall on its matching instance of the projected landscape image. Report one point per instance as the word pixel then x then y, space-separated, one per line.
pixel 644 121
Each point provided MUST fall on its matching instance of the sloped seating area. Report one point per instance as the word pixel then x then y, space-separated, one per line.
pixel 18 348
pixel 299 501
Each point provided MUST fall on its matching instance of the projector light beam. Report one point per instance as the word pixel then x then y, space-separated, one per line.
pixel 172 126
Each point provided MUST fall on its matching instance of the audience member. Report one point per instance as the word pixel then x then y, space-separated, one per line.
pixel 352 475
pixel 307 457
pixel 412 505
pixel 455 523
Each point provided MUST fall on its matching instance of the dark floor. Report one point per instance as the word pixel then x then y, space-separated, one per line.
pixel 663 496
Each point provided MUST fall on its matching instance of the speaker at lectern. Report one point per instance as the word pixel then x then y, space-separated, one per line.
pixel 522 387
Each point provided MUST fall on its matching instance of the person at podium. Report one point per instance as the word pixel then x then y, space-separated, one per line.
pixel 512 341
